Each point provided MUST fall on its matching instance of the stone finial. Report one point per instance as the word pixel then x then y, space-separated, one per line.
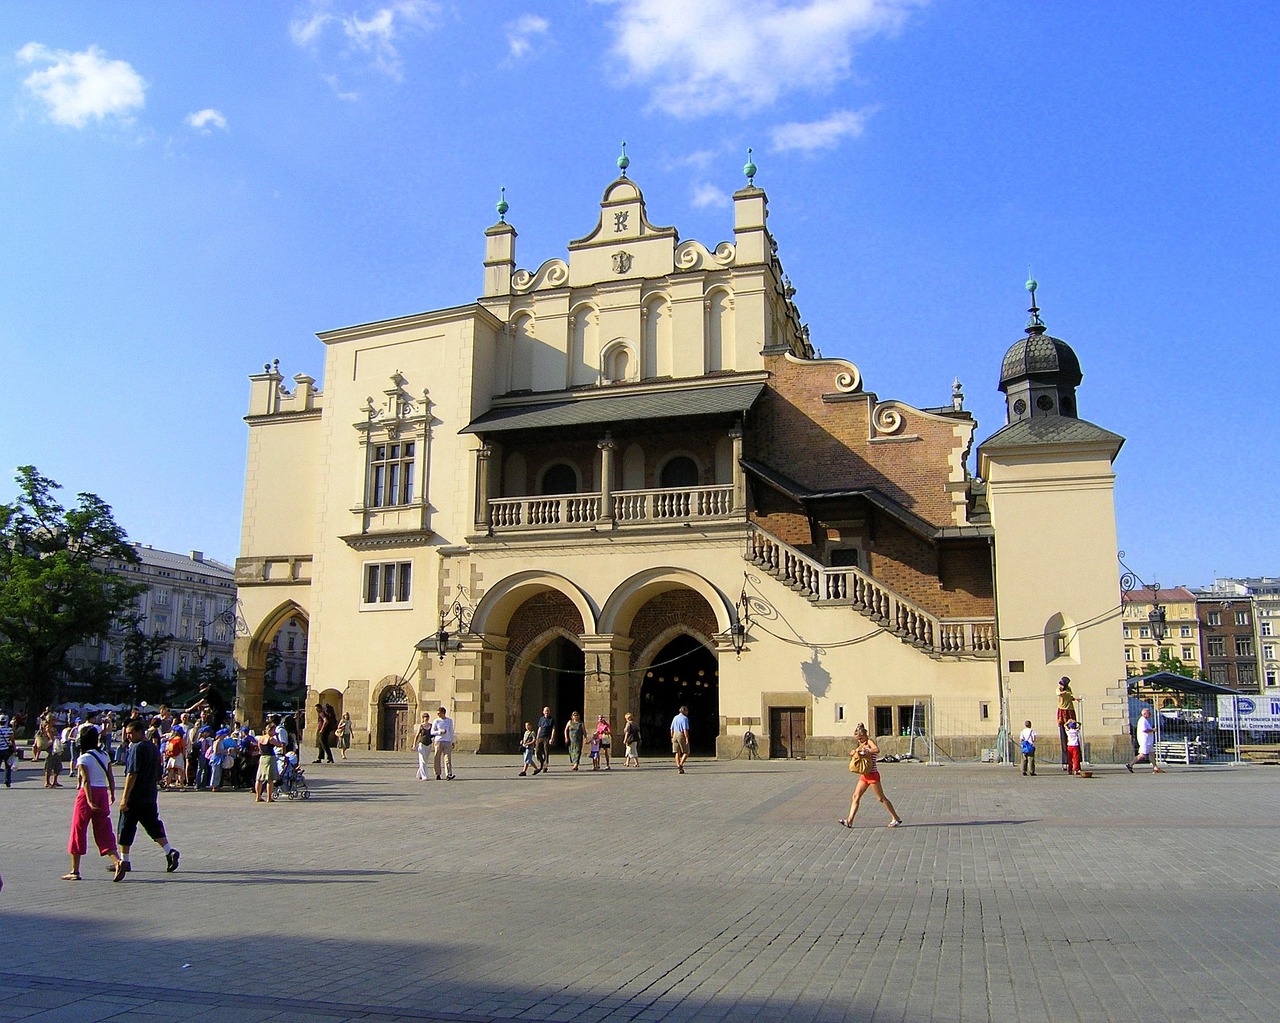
pixel 749 169
pixel 624 161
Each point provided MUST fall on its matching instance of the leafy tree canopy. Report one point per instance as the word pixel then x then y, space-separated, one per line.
pixel 55 589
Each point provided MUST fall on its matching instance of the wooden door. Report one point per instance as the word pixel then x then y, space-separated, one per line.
pixel 394 730
pixel 786 733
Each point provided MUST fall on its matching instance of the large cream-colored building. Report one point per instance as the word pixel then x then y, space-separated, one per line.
pixel 1182 630
pixel 611 472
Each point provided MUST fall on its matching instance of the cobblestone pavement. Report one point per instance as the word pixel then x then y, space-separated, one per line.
pixel 728 893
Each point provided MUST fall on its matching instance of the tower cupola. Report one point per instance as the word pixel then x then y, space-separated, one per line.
pixel 1039 374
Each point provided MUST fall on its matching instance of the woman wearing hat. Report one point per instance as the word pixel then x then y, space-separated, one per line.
pixel 1066 712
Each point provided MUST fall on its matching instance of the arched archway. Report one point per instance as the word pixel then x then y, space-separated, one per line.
pixel 533 624
pixel 273 673
pixel 684 672
pixel 551 675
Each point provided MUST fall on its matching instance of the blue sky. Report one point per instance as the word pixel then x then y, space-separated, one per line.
pixel 190 190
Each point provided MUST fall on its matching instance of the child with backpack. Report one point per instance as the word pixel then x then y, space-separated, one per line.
pixel 1027 743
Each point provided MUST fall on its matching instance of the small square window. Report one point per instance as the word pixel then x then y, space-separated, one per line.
pixel 387 583
pixel 984 711
pixel 1016 666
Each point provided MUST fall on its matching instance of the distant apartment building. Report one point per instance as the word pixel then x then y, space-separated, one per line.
pixel 1264 591
pixel 1182 638
pixel 1229 643
pixel 187 599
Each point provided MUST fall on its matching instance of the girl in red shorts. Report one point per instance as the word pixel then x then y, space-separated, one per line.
pixel 869 778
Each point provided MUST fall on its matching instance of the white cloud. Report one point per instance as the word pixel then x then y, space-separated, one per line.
pixel 699 159
pixel 705 194
pixel 710 56
pixel 371 32
pixel 78 87
pixel 808 136
pixel 204 121
pixel 522 32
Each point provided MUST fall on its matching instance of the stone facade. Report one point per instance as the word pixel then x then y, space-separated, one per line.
pixel 623 481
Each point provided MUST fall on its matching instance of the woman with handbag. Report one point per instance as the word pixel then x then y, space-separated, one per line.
pixel 862 762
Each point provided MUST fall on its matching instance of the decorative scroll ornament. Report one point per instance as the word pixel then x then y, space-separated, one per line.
pixel 849 382
pixel 622 262
pixel 554 273
pixel 693 255
pixel 887 419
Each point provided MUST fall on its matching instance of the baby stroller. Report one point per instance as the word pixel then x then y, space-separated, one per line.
pixel 293 782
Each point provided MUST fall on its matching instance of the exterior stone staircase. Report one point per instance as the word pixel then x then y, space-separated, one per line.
pixel 851 587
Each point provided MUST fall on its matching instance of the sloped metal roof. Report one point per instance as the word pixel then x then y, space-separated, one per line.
pixel 1050 430
pixel 596 408
pixel 1164 681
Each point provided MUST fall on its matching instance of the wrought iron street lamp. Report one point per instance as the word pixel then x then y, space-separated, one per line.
pixel 455 621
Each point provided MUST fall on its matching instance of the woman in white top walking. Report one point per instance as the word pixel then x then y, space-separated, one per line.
pixel 97 791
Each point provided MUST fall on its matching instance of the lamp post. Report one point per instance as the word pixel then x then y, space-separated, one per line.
pixel 455 621
pixel 1156 617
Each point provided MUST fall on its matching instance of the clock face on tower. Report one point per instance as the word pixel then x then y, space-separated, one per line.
pixel 1044 403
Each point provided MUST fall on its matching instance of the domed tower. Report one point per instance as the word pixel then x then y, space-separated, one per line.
pixel 1049 478
pixel 1040 374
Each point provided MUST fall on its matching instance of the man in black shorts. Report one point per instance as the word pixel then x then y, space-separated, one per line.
pixel 139 802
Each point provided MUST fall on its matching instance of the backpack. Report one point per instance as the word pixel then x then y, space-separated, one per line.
pixel 1028 747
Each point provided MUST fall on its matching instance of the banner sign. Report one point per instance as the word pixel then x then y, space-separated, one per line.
pixel 1257 713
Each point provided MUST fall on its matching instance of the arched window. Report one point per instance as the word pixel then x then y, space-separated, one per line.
pixel 560 479
pixel 619 364
pixel 681 471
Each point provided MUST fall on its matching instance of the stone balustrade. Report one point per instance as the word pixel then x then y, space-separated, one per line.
pixel 849 585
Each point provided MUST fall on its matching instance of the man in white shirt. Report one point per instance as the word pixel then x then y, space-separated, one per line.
pixel 442 742
pixel 1146 732
pixel 680 738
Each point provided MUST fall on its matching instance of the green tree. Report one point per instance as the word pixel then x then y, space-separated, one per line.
pixel 143 660
pixel 1167 662
pixel 55 589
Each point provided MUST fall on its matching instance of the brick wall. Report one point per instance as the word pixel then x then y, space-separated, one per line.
pixel 945 581
pixel 546 610
pixel 826 444
pixel 675 607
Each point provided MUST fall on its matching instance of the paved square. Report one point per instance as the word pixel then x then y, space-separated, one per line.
pixel 729 893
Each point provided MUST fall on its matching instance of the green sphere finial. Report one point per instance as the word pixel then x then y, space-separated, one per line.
pixel 502 206
pixel 624 161
pixel 750 169
pixel 1031 281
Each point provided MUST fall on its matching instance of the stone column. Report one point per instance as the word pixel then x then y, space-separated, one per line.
pixel 249 690
pixel 739 477
pixel 606 688
pixel 483 455
pixel 607 448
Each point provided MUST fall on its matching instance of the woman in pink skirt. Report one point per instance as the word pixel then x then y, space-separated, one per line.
pixel 96 792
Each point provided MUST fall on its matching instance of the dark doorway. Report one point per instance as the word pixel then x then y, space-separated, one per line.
pixel 683 673
pixel 786 733
pixel 554 680
pixel 560 479
pixel 681 471
pixel 394 731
